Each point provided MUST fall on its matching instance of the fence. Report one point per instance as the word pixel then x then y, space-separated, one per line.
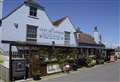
pixel 4 73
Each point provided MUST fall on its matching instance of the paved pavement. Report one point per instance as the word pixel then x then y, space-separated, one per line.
pixel 109 72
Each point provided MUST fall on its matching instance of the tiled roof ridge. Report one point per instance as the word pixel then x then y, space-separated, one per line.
pixel 59 21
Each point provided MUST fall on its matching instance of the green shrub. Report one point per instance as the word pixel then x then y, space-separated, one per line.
pixel 36 72
pixel 1 58
pixel 88 61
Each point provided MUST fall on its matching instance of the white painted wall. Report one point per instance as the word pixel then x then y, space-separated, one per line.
pixel 66 25
pixel 21 17
pixel 9 31
pixel 1 12
pixel 96 37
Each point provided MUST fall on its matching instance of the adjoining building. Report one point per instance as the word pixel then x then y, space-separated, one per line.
pixel 32 41
pixel 117 52
pixel 111 54
pixel 90 46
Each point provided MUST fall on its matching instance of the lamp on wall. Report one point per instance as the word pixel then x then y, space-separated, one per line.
pixel 0 22
pixel 53 45
pixel 16 25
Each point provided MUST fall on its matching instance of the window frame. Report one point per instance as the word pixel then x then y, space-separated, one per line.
pixel 31 35
pixel 66 38
pixel 33 11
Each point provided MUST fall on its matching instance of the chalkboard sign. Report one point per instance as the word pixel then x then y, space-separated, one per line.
pixel 19 69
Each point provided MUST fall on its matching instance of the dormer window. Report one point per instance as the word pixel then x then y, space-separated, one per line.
pixel 33 11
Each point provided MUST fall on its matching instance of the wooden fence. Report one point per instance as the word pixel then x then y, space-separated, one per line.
pixel 4 73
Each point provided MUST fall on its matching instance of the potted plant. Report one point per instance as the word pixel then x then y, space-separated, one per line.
pixel 88 61
pixel 1 58
pixel 36 75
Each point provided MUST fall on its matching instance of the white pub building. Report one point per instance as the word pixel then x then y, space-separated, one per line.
pixel 28 36
pixel 28 26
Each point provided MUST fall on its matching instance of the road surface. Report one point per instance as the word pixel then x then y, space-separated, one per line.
pixel 109 72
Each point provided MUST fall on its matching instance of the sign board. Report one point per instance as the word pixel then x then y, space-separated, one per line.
pixel 53 68
pixel 51 34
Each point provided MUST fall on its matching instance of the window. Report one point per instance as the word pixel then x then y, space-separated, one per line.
pixel 33 11
pixel 67 35
pixel 31 33
pixel 67 38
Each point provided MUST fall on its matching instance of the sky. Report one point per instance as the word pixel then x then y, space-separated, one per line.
pixel 85 14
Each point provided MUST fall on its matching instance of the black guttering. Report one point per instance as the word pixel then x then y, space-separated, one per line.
pixel 19 43
pixel 22 43
pixel 87 44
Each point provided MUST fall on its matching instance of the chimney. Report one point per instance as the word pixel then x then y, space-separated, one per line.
pixel 96 35
pixel 1 9
pixel 95 28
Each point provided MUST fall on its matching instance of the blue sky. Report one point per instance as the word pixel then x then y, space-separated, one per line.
pixel 84 14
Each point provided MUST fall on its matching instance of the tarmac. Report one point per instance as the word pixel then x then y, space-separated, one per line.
pixel 57 75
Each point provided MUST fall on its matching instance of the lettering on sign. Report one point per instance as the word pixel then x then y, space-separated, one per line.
pixel 51 34
pixel 53 68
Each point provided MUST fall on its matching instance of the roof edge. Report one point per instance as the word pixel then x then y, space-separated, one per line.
pixel 26 3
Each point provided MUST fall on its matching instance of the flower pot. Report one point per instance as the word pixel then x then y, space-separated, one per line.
pixel 36 77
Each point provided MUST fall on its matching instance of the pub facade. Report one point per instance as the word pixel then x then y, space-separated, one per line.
pixel 28 34
pixel 33 42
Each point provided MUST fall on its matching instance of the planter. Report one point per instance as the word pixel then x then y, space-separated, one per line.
pixel 36 77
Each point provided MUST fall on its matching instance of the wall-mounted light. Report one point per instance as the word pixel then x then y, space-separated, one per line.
pixel 16 25
pixel 0 22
